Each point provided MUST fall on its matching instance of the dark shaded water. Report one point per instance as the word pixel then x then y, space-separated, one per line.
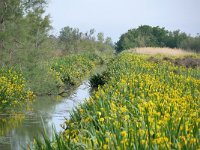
pixel 47 112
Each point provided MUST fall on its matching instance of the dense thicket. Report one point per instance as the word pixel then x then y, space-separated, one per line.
pixel 147 36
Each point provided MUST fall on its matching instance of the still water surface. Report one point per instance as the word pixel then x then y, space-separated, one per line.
pixel 47 112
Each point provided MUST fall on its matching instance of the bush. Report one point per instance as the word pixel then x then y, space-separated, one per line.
pixel 13 92
pixel 97 80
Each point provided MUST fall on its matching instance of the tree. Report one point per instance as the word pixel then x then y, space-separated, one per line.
pixel 38 25
pixel 10 12
pixel 100 37
pixel 91 35
pixel 147 36
pixel 108 41
pixel 70 36
pixel 191 43
pixel 14 14
pixel 23 26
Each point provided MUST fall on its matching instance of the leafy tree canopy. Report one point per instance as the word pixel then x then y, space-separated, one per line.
pixel 147 36
pixel 25 18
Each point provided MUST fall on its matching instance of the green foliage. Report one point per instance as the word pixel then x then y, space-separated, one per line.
pixel 24 18
pixel 23 26
pixel 100 37
pixel 147 36
pixel 9 10
pixel 71 37
pixel 142 37
pixel 38 26
pixel 75 41
pixel 72 69
pixel 97 80
pixel 54 76
pixel 191 44
pixel 41 79
pixel 8 122
pixel 59 143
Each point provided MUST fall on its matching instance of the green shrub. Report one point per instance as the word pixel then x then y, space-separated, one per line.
pixel 97 80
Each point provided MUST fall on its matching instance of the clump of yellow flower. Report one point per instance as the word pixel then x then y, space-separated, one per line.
pixel 13 94
pixel 143 105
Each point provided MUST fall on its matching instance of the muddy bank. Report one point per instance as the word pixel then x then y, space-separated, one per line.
pixel 188 61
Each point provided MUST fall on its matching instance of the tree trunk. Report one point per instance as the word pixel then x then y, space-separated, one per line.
pixel 1 38
pixel 1 44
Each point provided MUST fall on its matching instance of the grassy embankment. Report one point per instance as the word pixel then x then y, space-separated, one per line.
pixel 72 70
pixel 143 105
pixel 59 75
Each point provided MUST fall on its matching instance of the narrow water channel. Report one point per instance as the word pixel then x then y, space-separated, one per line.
pixel 47 112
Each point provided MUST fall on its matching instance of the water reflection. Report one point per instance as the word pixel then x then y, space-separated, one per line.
pixel 47 112
pixel 8 121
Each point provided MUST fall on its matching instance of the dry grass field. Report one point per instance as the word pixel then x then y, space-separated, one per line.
pixel 178 57
pixel 157 50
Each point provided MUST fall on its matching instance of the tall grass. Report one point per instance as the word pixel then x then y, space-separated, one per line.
pixel 162 51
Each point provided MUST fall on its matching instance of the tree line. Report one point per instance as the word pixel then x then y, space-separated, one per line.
pixel 25 39
pixel 148 36
pixel 75 40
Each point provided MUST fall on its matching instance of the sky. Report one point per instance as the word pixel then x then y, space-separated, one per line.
pixel 115 17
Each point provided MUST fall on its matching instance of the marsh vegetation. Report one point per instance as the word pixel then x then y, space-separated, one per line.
pixel 145 95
